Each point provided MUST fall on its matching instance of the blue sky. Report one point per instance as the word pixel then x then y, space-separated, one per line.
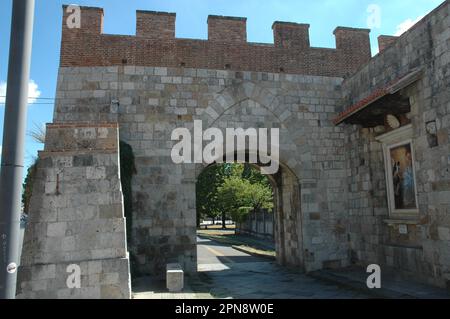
pixel 322 15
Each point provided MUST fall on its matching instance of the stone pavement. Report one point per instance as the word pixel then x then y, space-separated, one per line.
pixel 226 273
pixel 147 288
pixel 267 280
pixel 392 285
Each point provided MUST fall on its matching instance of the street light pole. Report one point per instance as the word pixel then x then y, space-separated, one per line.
pixel 13 143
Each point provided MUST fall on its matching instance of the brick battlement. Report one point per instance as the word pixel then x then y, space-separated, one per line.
pixel 155 44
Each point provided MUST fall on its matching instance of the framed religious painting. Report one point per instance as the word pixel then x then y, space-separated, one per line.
pixel 398 148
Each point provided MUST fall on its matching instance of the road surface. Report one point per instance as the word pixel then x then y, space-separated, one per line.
pixel 225 272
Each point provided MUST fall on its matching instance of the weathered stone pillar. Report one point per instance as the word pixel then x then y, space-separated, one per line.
pixel 76 218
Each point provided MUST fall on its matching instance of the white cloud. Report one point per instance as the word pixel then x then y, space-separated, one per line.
pixel 33 92
pixel 406 25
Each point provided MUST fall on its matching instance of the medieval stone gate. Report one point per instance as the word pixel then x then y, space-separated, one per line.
pixel 331 191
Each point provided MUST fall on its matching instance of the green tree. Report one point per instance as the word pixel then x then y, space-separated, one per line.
pixel 239 197
pixel 38 135
pixel 27 186
pixel 206 191
pixel 254 175
pixel 232 189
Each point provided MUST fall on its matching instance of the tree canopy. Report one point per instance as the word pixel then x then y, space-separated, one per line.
pixel 232 189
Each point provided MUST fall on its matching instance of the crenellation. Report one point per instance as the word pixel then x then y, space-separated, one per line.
pixel 291 35
pixel 91 19
pixel 350 40
pixel 385 41
pixel 227 29
pixel 155 25
pixel 155 45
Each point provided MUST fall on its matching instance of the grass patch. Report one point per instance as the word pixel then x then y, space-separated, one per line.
pixel 216 232
pixel 256 252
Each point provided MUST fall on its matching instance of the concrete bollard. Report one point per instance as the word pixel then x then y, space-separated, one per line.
pixel 174 277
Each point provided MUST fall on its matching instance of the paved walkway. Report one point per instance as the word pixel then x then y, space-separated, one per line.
pixel 227 273
pixel 393 285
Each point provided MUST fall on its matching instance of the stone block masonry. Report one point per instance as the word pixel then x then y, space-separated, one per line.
pixel 155 100
pixel 424 252
pixel 76 217
pixel 174 278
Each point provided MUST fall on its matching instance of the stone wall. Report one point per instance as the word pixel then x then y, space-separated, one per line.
pixel 259 224
pixel 366 192
pixel 76 217
pixel 425 252
pixel 152 101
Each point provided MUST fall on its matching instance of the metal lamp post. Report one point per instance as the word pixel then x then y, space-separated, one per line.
pixel 13 143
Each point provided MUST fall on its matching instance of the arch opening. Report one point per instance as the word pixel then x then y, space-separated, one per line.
pixel 287 233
